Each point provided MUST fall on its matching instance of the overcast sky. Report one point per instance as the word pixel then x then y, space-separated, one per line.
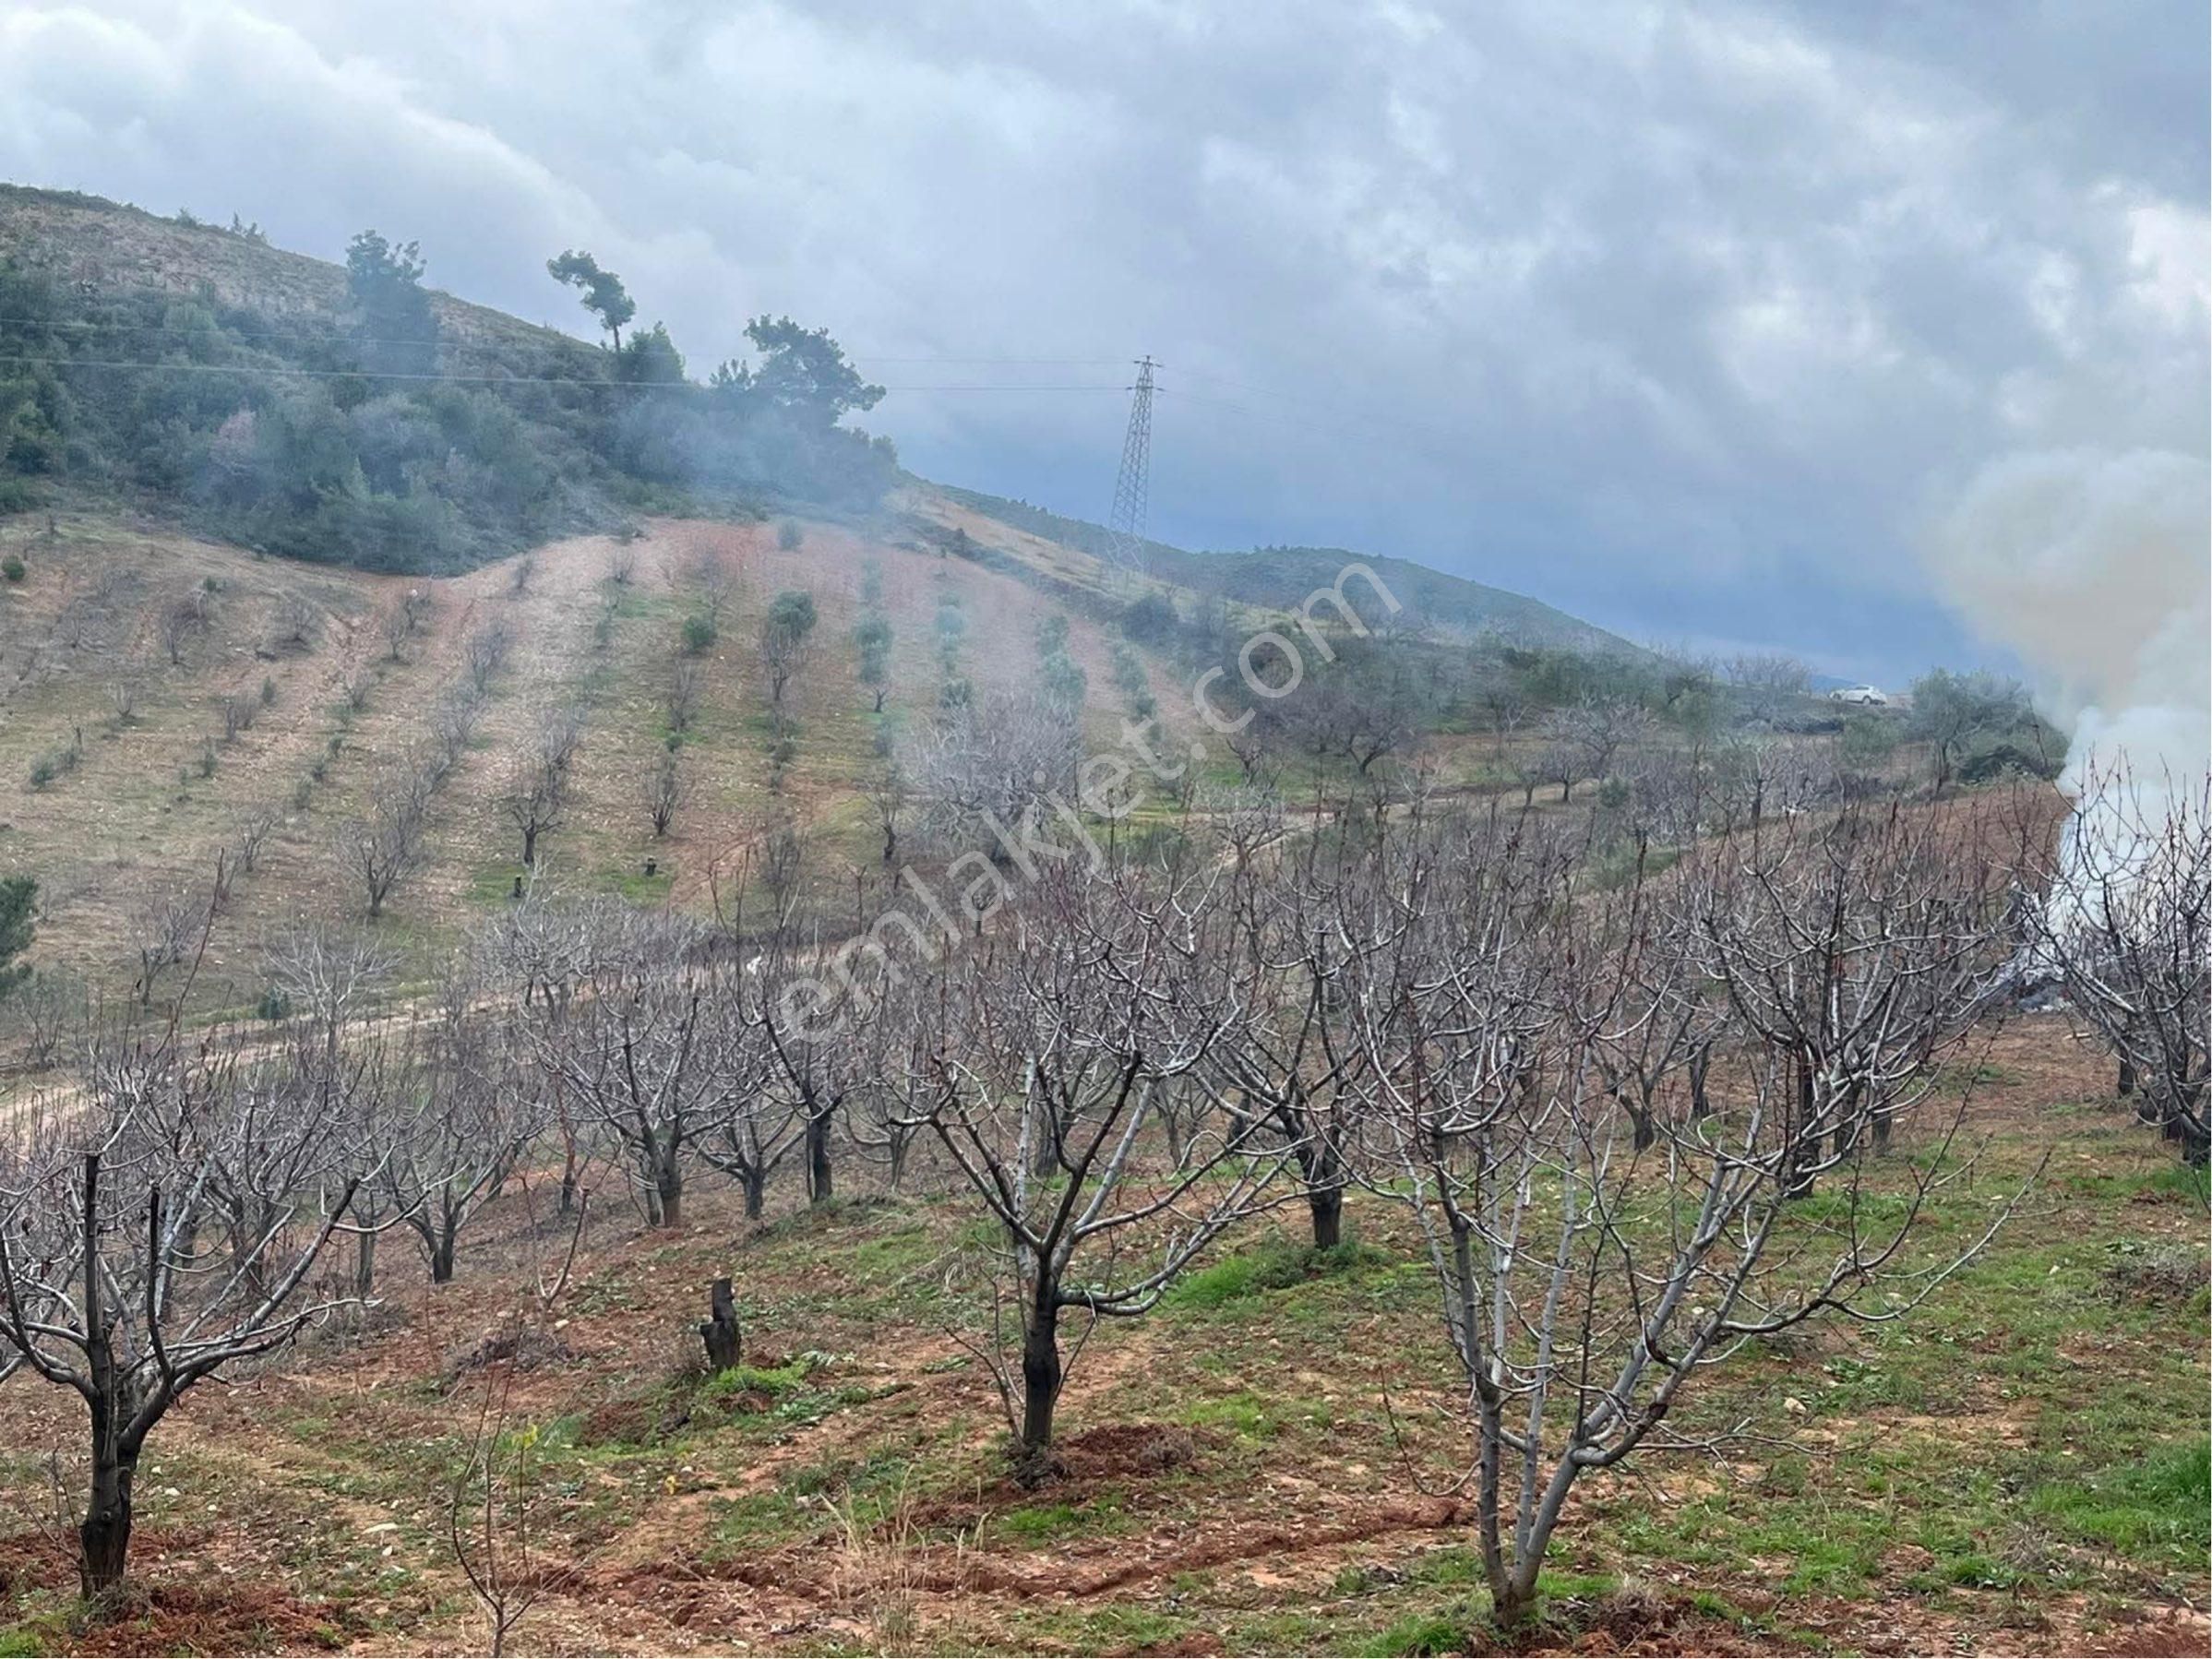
pixel 1691 319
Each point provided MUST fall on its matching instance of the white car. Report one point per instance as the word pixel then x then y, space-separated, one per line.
pixel 1866 696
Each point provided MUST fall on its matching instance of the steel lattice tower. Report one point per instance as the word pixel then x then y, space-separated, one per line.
pixel 1132 487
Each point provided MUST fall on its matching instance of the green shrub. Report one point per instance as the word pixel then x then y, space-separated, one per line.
pixel 699 635
pixel 773 1381
pixel 12 569
pixel 55 761
pixel 789 536
pixel 1150 618
pixel 2003 760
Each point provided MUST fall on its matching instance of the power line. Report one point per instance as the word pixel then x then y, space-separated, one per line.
pixel 335 335
pixel 245 368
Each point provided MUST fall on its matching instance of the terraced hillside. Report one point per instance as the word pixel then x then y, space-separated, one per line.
pixel 130 810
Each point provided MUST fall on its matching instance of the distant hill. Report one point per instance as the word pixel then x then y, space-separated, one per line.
pixel 92 246
pixel 1272 577
pixel 349 414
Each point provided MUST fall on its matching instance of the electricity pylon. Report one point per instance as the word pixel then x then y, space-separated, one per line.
pixel 1126 550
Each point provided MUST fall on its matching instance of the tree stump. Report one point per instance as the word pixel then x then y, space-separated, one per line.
pixel 720 1331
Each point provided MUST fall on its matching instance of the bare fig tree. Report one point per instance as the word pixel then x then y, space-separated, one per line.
pixel 384 847
pixel 665 787
pixel 471 1115
pixel 101 1291
pixel 640 1055
pixel 537 800
pixel 1585 1282
pixel 162 931
pixel 2127 928
pixel 1044 1040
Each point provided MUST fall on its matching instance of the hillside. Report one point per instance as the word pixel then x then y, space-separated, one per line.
pixel 93 245
pixel 134 823
pixel 1265 576
pixel 352 415
pixel 229 470
pixel 528 846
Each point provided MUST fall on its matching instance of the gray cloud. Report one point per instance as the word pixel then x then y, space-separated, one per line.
pixel 1693 318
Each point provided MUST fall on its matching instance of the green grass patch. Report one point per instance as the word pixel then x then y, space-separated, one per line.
pixel 632 883
pixel 1422 1634
pixel 2155 1505
pixel 774 1381
pixel 1272 1267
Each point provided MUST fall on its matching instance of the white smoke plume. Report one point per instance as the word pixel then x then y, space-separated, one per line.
pixel 2095 568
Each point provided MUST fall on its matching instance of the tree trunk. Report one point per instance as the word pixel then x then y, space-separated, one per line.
pixel 2127 1077
pixel 1802 1144
pixel 1699 1105
pixel 104 1538
pixel 530 845
pixel 720 1330
pixel 441 1257
pixel 364 1263
pixel 819 1186
pixel 2196 1148
pixel 1040 1388
pixel 1044 1153
pixel 246 1259
pixel 1327 1207
pixel 1514 1601
pixel 755 1183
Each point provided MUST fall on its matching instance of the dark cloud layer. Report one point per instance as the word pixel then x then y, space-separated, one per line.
pixel 1691 318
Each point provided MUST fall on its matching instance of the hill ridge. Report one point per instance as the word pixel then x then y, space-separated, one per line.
pixel 93 246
